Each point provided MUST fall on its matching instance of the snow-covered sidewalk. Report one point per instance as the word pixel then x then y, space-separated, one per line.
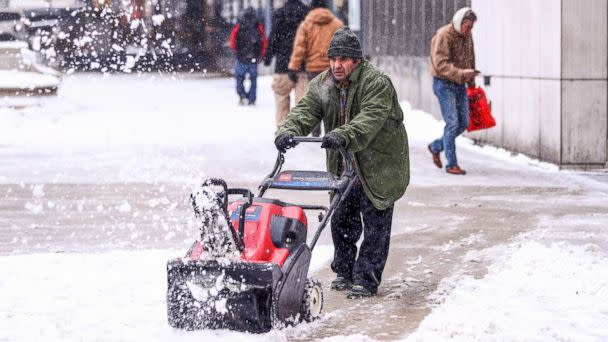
pixel 549 283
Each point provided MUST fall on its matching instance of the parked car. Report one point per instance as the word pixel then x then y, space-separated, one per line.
pixel 21 74
pixel 39 23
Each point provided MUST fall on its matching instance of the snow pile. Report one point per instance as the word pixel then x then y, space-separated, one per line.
pixel 526 295
pixel 420 126
pixel 15 79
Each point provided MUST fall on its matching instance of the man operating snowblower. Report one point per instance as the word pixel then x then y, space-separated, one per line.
pixel 359 109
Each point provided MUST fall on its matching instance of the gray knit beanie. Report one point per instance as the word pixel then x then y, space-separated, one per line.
pixel 344 43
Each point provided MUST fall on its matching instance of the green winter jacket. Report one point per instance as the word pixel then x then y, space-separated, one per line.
pixel 374 129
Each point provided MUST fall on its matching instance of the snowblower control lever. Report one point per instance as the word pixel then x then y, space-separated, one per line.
pixel 247 204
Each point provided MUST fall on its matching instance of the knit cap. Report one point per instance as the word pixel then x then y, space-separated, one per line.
pixel 344 43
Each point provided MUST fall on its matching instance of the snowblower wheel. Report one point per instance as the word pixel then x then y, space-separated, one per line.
pixel 312 301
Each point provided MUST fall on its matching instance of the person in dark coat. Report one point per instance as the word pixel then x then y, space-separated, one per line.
pixel 359 108
pixel 248 40
pixel 311 43
pixel 285 22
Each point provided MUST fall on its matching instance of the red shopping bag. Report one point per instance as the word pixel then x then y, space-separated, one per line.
pixel 480 116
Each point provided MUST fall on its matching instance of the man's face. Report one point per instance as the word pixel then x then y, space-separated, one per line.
pixel 342 67
pixel 466 27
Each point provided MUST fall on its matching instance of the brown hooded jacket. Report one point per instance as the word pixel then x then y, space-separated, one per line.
pixel 312 40
pixel 451 53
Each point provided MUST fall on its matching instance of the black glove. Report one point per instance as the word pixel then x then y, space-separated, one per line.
pixel 293 76
pixel 333 140
pixel 267 61
pixel 284 142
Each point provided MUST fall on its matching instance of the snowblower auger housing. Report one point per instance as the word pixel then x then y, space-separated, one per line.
pixel 248 272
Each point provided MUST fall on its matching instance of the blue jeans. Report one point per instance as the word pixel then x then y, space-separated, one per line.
pixel 240 70
pixel 454 105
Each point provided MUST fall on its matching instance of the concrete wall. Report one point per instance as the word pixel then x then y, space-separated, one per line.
pixel 397 36
pixel 584 84
pixel 521 50
pixel 411 78
pixel 548 89
pixel 548 63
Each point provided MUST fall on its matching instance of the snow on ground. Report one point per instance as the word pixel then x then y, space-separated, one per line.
pixel 174 129
pixel 421 127
pixel 532 292
pixel 113 296
pixel 13 79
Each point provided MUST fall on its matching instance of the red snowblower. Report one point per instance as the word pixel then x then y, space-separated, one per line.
pixel 249 270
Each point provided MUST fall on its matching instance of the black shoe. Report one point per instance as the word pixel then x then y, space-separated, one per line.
pixel 359 291
pixel 341 284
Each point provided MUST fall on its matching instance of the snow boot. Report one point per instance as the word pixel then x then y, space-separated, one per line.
pixel 341 284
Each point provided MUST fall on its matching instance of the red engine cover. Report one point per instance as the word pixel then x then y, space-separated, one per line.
pixel 258 243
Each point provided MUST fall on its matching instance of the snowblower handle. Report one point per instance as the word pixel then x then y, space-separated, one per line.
pixel 242 192
pixel 348 160
pixel 309 180
pixel 307 139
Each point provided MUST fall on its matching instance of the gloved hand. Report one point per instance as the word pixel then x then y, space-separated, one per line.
pixel 284 142
pixel 293 76
pixel 333 140
pixel 267 61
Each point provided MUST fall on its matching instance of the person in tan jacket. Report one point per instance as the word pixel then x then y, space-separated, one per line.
pixel 285 22
pixel 310 46
pixel 453 65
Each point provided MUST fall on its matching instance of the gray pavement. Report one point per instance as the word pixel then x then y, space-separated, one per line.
pixel 440 219
pixel 113 198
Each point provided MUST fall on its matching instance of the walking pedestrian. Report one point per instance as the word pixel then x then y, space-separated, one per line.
pixel 453 65
pixel 285 21
pixel 311 43
pixel 248 40
pixel 360 111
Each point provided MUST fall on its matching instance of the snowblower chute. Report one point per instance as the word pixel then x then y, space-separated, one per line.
pixel 248 272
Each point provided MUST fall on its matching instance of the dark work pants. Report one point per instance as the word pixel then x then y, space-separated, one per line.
pixel 357 214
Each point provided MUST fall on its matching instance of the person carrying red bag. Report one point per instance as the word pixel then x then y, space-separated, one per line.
pixel 453 65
